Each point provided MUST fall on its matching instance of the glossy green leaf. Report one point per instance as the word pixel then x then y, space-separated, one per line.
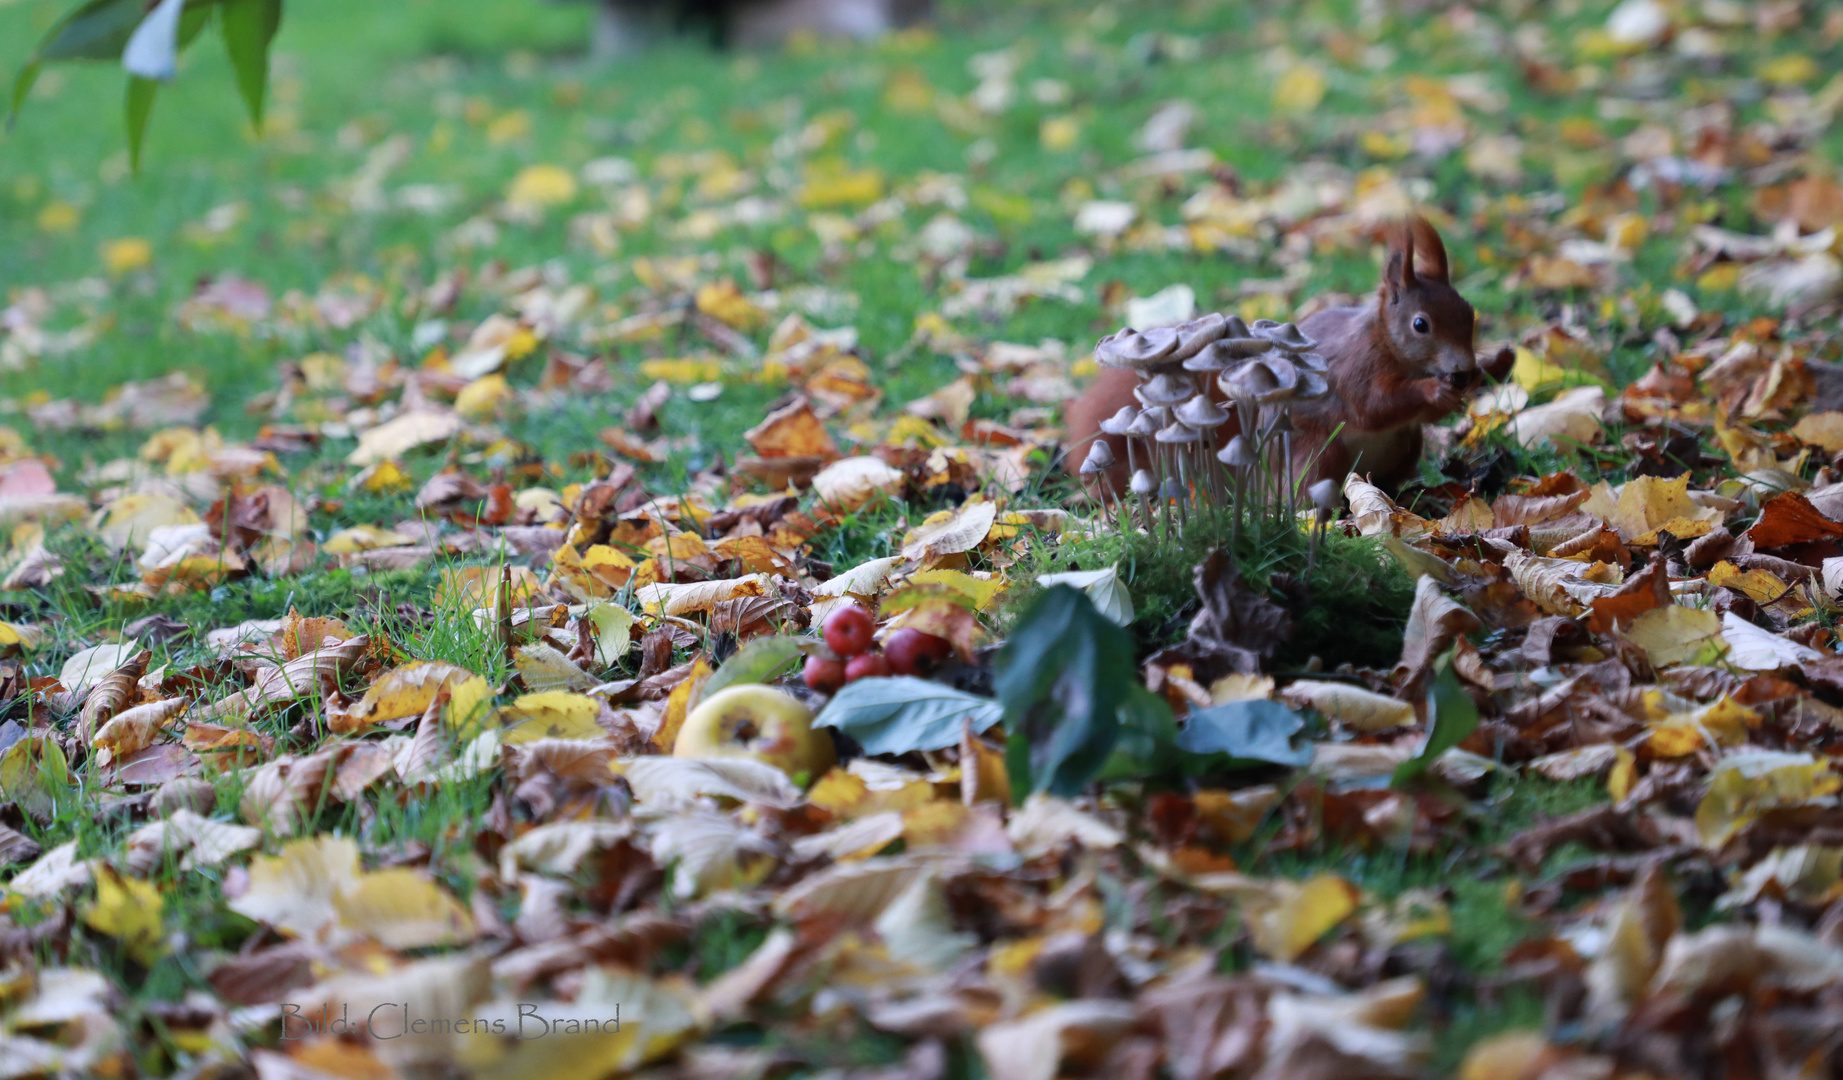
pixel 1256 730
pixel 249 26
pixel 898 715
pixel 1451 716
pixel 140 107
pixel 762 660
pixel 1062 678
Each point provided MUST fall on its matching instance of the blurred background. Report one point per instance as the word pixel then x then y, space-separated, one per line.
pixel 1013 171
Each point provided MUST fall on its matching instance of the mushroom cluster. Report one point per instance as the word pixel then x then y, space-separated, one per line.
pixel 1175 452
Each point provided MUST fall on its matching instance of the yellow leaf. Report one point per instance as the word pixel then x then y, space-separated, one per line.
pixel 402 909
pixel 293 890
pixel 979 591
pixel 723 301
pixel 483 397
pixel 1724 723
pixel 1059 133
pixel 691 370
pixel 127 255
pixel 1532 372
pixel 384 478
pixel 403 693
pixel 1304 913
pixel 1747 784
pixel 1300 88
pixel 553 714
pixel 683 699
pixel 950 532
pixel 1760 586
pixel 1677 635
pixel 130 911
pixel 1623 774
pixel 540 186
pixel 1823 430
pixel 846 795
pixel 826 189
pixel 364 538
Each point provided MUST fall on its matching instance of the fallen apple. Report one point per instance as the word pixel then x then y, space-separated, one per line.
pixel 761 723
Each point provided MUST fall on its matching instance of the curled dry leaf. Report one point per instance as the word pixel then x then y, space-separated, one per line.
pixel 1354 707
pixel 112 692
pixel 136 729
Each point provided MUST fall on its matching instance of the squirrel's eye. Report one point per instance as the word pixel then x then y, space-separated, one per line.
pixel 1420 324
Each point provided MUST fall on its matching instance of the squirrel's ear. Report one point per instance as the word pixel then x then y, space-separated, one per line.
pixel 1429 252
pixel 1398 266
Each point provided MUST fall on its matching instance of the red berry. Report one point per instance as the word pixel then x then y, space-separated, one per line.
pixel 913 652
pixel 865 666
pixel 848 630
pixel 824 673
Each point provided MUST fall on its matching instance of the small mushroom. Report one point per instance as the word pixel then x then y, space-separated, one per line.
pixel 1165 388
pixel 1133 349
pixel 1235 327
pixel 1100 458
pixel 1286 336
pixel 1194 335
pixel 1144 484
pixel 1147 423
pixel 1179 432
pixel 1237 454
pixel 1311 386
pixel 1200 412
pixel 1119 422
pixel 1311 361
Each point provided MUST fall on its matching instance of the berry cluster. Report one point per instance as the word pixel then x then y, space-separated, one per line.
pixel 849 634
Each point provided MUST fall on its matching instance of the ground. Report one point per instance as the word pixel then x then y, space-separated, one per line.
pixel 568 271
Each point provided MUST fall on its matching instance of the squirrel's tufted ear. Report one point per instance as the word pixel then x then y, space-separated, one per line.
pixel 1398 264
pixel 1429 254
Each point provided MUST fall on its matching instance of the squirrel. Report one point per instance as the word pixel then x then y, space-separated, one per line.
pixel 1403 360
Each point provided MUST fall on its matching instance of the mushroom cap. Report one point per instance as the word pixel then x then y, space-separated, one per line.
pixel 1267 380
pixel 1261 326
pixel 1287 336
pixel 1311 361
pixel 1179 432
pixel 1171 489
pixel 1197 333
pixel 1119 422
pixel 1165 388
pixel 1312 385
pixel 1147 423
pixel 1100 456
pixel 1143 483
pixel 1201 412
pixel 1324 494
pixel 1237 454
pixel 1235 327
pixel 1130 348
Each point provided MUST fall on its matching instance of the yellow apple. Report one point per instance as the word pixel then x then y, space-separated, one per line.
pixel 761 723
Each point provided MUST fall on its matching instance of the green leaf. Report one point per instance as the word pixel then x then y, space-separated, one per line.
pixel 1063 677
pixel 140 106
pixel 1257 730
pixel 249 26
pixel 35 774
pixel 98 30
pixel 895 716
pixel 1147 745
pixel 1451 716
pixel 762 660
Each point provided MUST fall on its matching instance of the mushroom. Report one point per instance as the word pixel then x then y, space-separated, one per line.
pixel 1165 388
pixel 1121 424
pixel 1194 335
pixel 1100 459
pixel 1324 497
pixel 1183 440
pixel 1286 336
pixel 1200 412
pixel 1139 351
pixel 1145 486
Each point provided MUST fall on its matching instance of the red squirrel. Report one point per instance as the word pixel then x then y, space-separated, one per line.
pixel 1403 360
